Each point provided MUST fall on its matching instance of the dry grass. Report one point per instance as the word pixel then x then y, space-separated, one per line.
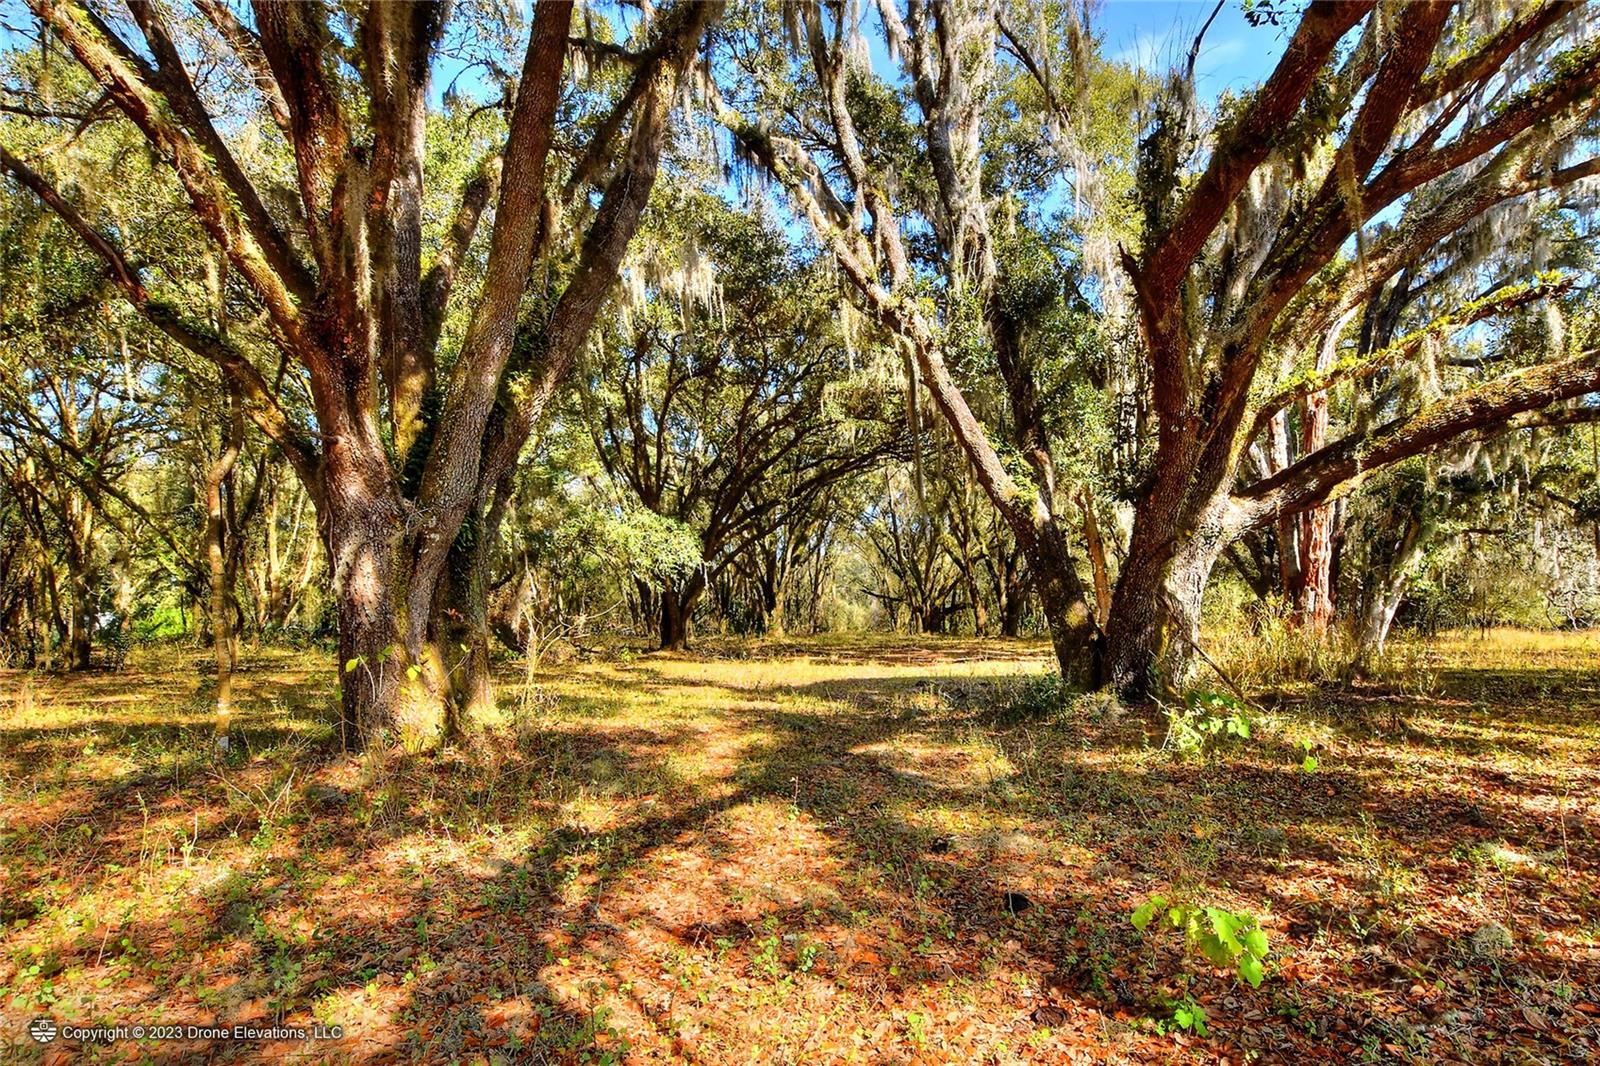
pixel 800 852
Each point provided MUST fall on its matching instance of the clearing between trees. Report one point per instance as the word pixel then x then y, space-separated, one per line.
pixel 866 849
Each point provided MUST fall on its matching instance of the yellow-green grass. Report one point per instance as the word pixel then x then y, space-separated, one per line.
pixel 799 851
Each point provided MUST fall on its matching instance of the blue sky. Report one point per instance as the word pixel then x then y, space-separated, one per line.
pixel 1156 34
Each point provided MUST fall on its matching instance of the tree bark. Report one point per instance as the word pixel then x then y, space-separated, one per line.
pixel 1314 590
pixel 462 626
pixel 1286 531
pixel 362 534
pixel 1073 633
pixel 674 629
pixel 80 623
pixel 1155 612
pixel 1011 615
pixel 1386 593
pixel 774 597
pixel 83 578
pixel 1314 602
pixel 1097 557
pixel 222 637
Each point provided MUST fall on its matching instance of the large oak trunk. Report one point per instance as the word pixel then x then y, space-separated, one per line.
pixel 362 529
pixel 1155 612
pixel 677 607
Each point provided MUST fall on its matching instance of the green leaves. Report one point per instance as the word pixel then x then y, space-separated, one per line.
pixel 1249 968
pixel 1146 911
pixel 1205 719
pixel 1225 938
pixel 634 542
pixel 1191 1016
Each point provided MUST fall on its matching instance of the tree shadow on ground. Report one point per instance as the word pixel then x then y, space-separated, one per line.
pixel 704 888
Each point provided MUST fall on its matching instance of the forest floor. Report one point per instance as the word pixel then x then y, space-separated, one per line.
pixel 867 849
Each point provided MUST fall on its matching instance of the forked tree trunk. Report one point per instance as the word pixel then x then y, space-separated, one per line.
pixel 674 629
pixel 1155 612
pixel 772 581
pixel 1385 593
pixel 1382 606
pixel 677 602
pixel 1011 593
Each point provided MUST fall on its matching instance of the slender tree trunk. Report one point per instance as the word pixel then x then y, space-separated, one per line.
pixel 80 619
pixel 216 528
pixel 1384 595
pixel 774 603
pixel 980 612
pixel 38 635
pixel 52 619
pixel 1314 602
pixel 269 590
pixel 1011 617
pixel 1097 557
pixel 1012 591
pixel 1314 596
pixel 293 595
pixel 1286 530
pixel 462 627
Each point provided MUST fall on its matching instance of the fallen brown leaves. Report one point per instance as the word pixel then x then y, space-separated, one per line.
pixel 814 856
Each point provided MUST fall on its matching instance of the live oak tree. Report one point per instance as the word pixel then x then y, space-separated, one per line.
pixel 1379 136
pixel 923 213
pixel 724 396
pixel 1485 527
pixel 69 436
pixel 1264 233
pixel 414 420
pixel 1490 258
